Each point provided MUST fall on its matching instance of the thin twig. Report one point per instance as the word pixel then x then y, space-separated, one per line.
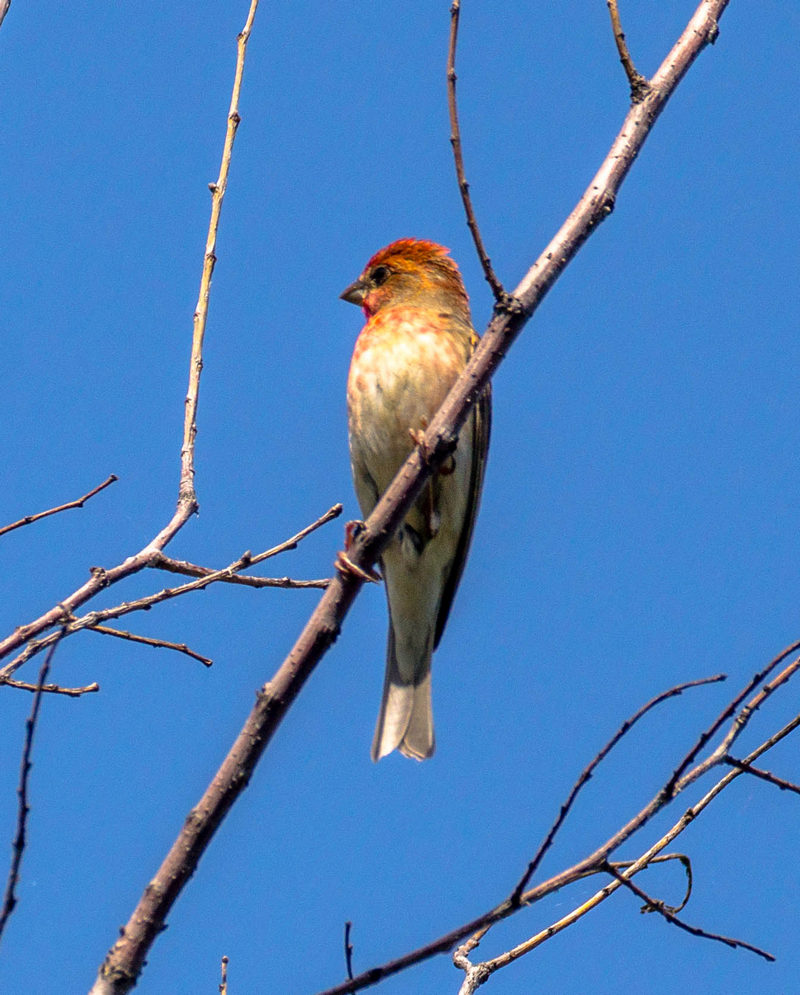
pixel 592 864
pixel 50 688
pixel 654 905
pixel 455 141
pixel 10 898
pixel 223 985
pixel 194 570
pixel 622 865
pixel 639 85
pixel 62 507
pixel 73 624
pixel 348 949
pixel 163 562
pixel 765 775
pixel 165 644
pixel 728 712
pixel 626 726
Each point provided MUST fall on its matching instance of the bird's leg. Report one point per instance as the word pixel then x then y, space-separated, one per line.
pixel 345 565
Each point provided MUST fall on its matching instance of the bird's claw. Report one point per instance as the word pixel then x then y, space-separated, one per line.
pixel 345 565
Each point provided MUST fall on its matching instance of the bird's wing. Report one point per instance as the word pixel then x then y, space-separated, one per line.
pixel 481 416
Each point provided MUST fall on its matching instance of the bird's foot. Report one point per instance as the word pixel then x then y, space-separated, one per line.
pixel 345 566
pixel 343 562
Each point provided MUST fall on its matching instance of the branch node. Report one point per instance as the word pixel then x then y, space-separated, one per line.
pixel 510 305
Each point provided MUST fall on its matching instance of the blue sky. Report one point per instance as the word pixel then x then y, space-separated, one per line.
pixel 640 519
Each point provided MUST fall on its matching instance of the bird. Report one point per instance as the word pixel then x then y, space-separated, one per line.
pixel 417 340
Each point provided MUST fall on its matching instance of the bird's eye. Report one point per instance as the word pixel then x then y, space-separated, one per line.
pixel 380 275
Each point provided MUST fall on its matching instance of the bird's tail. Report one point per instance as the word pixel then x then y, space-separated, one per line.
pixel 405 720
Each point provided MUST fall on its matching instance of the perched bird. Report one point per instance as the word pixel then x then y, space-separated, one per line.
pixel 415 344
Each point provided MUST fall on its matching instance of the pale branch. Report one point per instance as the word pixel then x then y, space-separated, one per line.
pixel 124 960
pixel 458 158
pixel 163 562
pixel 593 864
pixel 626 726
pixel 187 499
pixel 654 905
pixel 50 688
pixel 79 503
pixel 10 898
pixel 147 641
pixel 223 983
pixel 72 623
pixel 193 570
pixel 4 5
pixel 638 83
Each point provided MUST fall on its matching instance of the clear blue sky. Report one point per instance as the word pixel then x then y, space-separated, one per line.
pixel 640 518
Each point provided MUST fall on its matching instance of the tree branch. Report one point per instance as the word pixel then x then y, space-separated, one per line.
pixel 654 905
pixel 28 519
pixel 124 961
pixel 10 898
pixel 638 84
pixel 455 141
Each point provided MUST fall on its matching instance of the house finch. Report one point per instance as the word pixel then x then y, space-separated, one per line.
pixel 417 341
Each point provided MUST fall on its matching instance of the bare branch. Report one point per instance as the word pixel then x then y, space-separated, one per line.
pixel 592 864
pixel 179 647
pixel 455 141
pixel 62 507
pixel 4 5
pixel 639 85
pixel 10 898
pixel 124 961
pixel 728 712
pixel 348 949
pixel 72 624
pixel 223 984
pixel 654 905
pixel 187 498
pixel 626 726
pixel 51 688
pixel 193 570
pixel 765 775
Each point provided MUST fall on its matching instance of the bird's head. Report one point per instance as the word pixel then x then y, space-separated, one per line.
pixel 410 272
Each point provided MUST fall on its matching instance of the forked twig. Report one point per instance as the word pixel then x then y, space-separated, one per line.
pixel 72 623
pixel 626 726
pixel 765 775
pixel 79 503
pixel 455 141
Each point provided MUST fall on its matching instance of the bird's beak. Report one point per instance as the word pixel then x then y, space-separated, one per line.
pixel 354 294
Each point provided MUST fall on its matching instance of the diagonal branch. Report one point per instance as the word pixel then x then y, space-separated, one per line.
pixel 107 630
pixel 79 503
pixel 10 898
pixel 125 959
pixel 590 769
